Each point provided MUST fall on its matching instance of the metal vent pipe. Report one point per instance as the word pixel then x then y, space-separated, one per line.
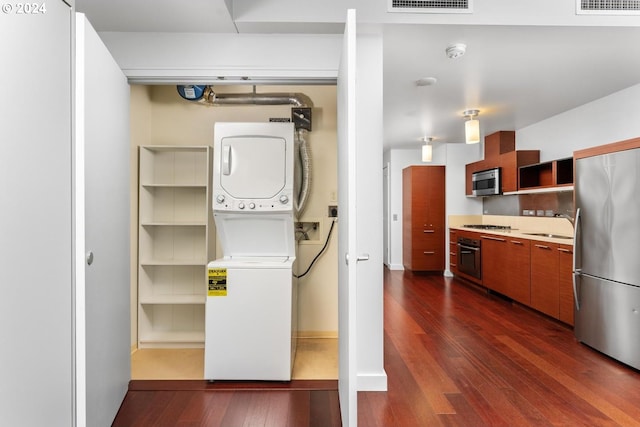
pixel 295 99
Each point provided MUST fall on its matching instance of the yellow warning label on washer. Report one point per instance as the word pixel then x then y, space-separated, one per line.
pixel 217 286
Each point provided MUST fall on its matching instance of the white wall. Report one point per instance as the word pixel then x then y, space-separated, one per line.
pixel 615 117
pixel 369 108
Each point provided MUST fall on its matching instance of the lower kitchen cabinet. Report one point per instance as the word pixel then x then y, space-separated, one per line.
pixel 565 283
pixel 518 266
pixel 453 252
pixel 506 267
pixel 544 278
pixel 495 250
pixel 535 273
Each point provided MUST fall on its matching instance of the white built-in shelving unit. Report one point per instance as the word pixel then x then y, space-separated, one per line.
pixel 174 218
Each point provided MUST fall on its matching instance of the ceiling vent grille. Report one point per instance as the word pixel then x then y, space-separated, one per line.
pixel 430 6
pixel 608 7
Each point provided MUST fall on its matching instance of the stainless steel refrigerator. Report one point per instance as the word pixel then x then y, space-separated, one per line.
pixel 607 254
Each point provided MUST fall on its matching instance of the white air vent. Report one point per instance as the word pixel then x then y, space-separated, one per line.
pixel 430 6
pixel 608 7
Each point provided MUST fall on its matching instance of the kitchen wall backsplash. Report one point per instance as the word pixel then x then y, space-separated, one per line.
pixel 536 204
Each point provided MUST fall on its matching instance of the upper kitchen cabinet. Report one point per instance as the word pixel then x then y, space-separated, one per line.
pixel 500 152
pixel 423 218
pixel 510 164
pixel 547 175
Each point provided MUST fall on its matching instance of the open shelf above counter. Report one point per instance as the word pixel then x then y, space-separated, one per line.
pixel 555 175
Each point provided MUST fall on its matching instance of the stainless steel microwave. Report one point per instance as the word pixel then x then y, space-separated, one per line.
pixel 486 183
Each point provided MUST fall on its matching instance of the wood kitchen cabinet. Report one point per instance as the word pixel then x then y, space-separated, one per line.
pixel 565 283
pixel 544 278
pixel 453 252
pixel 470 169
pixel 495 251
pixel 510 164
pixel 519 268
pixel 556 173
pixel 499 151
pixel 423 218
pixel 506 266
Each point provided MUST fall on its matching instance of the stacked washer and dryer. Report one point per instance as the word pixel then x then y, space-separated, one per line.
pixel 251 308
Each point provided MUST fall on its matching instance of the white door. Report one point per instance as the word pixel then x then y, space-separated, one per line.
pixel 347 256
pixel 35 219
pixel 103 334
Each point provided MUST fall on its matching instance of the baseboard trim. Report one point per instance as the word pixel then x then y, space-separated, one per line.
pixel 372 382
pixel 196 385
pixel 395 266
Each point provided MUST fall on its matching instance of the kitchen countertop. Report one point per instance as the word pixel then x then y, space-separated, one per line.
pixel 518 233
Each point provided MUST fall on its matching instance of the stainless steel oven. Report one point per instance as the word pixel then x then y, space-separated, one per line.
pixel 470 257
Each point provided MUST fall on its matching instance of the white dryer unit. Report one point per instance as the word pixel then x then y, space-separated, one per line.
pixel 253 167
pixel 251 316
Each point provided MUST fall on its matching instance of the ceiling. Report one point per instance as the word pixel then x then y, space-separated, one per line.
pixel 516 75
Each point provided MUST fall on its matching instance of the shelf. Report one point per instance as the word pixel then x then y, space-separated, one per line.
pixel 174 205
pixel 156 185
pixel 174 224
pixel 174 262
pixel 183 337
pixel 174 299
pixel 554 174
pixel 174 165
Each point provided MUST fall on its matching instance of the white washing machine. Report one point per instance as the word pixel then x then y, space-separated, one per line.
pixel 251 315
pixel 251 318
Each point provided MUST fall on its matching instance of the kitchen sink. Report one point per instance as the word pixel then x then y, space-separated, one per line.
pixel 554 236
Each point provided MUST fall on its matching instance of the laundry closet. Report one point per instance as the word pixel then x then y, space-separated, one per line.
pixel 171 162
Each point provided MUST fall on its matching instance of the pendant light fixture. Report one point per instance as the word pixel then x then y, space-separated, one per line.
pixel 471 127
pixel 427 149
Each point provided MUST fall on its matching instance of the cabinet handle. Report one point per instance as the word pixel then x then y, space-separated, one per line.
pixel 452 253
pixel 493 238
pixel 542 247
pixel 429 231
pixel 429 252
pixel 515 242
pixel 565 250
pixel 453 265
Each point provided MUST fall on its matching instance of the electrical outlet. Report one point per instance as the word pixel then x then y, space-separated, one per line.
pixel 333 211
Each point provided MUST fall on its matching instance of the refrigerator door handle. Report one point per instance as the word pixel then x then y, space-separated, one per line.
pixel 576 273
pixel 576 246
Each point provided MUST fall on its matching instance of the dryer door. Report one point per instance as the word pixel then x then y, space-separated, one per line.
pixel 253 167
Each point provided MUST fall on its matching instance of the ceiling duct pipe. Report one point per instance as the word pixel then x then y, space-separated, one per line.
pixel 206 95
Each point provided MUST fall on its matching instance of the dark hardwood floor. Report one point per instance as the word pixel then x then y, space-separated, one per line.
pixel 454 356
pixel 226 403
pixel 457 356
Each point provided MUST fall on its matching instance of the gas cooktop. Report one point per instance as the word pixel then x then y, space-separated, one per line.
pixel 488 226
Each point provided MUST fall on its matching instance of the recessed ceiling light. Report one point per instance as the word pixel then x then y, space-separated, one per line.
pixel 456 50
pixel 426 81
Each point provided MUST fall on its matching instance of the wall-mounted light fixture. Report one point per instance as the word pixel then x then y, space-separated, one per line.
pixel 427 149
pixel 471 127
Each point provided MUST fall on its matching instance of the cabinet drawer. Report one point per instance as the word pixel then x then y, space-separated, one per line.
pixel 427 259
